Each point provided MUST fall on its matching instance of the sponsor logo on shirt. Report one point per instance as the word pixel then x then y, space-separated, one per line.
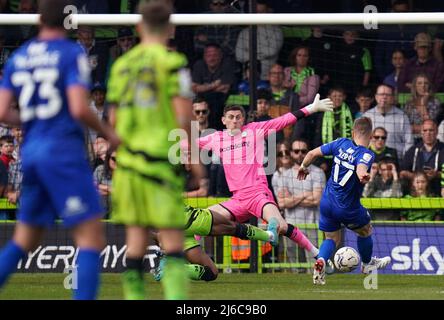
pixel 235 146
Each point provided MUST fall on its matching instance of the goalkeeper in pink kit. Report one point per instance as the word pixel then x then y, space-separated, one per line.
pixel 241 150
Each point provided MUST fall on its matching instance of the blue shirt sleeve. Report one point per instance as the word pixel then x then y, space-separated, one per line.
pixel 329 148
pixel 77 70
pixel 366 157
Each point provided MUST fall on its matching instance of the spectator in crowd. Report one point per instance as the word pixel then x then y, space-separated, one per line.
pixel 244 85
pixel 353 64
pixel 123 6
pixel 364 100
pixel 269 42
pixel 6 150
pixel 92 6
pixel 300 199
pixel 261 113
pixel 420 189
pixel 422 105
pixel 224 35
pixel 335 124
pixel 398 61
pixel 103 178
pixel 17 135
pixel 98 54
pixel 322 49
pixel 393 37
pixel 201 112
pixel 4 52
pixel 18 34
pixel 15 177
pixel 423 62
pixel 97 104
pixel 3 187
pixel 282 95
pixel 15 173
pixel 212 79
pixel 284 162
pixel 100 149
pixel 381 151
pixel 392 119
pixel 426 156
pixel 300 77
pixel 286 100
pixel 438 47
pixel 384 183
pixel 125 41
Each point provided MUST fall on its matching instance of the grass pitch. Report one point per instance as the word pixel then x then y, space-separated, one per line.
pixel 244 286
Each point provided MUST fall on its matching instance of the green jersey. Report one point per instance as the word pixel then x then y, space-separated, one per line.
pixel 142 84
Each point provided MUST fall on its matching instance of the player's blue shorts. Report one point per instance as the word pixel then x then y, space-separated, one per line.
pixel 332 216
pixel 57 187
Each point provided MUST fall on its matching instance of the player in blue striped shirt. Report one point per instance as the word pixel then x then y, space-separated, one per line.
pixel 340 203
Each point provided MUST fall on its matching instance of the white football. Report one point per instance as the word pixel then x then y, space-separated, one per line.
pixel 346 259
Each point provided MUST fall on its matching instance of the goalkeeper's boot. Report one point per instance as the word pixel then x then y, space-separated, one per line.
pixel 273 225
pixel 158 273
pixel 375 263
pixel 319 272
pixel 329 268
pixel 133 286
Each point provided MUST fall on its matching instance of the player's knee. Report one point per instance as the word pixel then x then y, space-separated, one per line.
pixel 365 231
pixel 209 275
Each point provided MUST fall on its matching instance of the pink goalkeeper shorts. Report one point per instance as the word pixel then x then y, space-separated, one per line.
pixel 243 205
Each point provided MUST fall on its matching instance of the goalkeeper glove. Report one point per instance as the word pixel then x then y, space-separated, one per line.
pixel 320 105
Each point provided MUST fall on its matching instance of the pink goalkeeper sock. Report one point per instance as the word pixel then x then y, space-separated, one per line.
pixel 300 238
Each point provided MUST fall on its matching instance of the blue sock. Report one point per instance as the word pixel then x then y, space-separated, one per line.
pixel 9 258
pixel 365 248
pixel 88 274
pixel 326 249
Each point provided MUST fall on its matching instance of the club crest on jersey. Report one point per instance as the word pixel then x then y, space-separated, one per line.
pixel 366 157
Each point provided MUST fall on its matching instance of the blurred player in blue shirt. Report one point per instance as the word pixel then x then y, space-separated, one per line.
pixel 50 78
pixel 340 203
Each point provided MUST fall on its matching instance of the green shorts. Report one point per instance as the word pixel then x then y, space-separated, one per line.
pixel 190 243
pixel 141 201
pixel 199 221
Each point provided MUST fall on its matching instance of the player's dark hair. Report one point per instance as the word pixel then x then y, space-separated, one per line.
pixel 363 126
pixel 51 12
pixel 155 15
pixel 235 108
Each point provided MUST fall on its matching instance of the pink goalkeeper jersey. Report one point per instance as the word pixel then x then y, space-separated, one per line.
pixel 243 155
